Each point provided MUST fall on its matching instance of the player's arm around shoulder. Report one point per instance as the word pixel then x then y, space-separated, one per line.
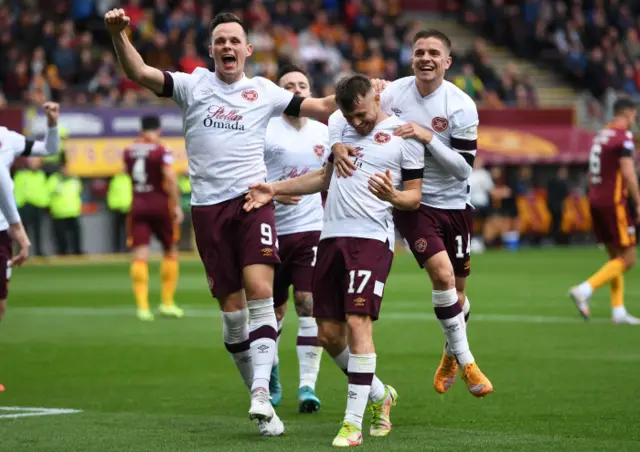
pixel 318 108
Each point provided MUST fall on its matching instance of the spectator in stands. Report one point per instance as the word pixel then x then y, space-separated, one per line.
pixel 469 82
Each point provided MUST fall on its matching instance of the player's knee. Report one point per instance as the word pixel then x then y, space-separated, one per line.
pixel 233 302
pixel 304 303
pixel 442 277
pixel 259 290
pixel 3 308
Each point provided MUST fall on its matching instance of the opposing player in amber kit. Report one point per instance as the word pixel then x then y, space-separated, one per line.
pixel 612 179
pixel 155 211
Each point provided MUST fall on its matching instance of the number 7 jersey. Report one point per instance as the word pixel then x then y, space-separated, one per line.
pixel 145 161
pixel 606 186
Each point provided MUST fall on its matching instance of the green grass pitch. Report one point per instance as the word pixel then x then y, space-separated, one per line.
pixel 71 340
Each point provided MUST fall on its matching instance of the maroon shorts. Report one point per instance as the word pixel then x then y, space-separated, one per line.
pixel 429 231
pixel 5 269
pixel 613 225
pixel 349 277
pixel 298 256
pixel 229 239
pixel 140 227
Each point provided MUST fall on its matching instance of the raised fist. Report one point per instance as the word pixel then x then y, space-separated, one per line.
pixel 52 110
pixel 116 21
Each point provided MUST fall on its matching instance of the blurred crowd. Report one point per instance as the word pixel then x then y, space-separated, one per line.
pixel 60 50
pixel 474 73
pixel 595 43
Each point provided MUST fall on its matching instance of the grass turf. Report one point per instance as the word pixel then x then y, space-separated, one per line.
pixel 71 340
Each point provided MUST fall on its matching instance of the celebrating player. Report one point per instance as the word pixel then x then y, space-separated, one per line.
pixel 156 210
pixel 355 251
pixel 296 146
pixel 445 120
pixel 612 178
pixel 12 145
pixel 226 116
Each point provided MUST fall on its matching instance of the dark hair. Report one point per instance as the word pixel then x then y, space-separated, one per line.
pixel 150 122
pixel 351 89
pixel 226 18
pixel 623 104
pixel 432 33
pixel 288 68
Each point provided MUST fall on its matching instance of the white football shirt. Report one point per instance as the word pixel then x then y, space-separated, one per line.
pixel 289 153
pixel 451 115
pixel 12 145
pixel 351 209
pixel 224 128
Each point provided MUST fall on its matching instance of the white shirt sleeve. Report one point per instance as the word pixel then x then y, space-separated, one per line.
pixel 464 129
pixel 337 123
pixel 279 98
pixel 412 155
pixel 7 201
pixel 386 99
pixel 50 145
pixel 179 85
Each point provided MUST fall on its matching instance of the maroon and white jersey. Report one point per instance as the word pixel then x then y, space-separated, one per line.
pixel 224 128
pixel 289 153
pixel 351 209
pixel 606 186
pixel 145 161
pixel 452 116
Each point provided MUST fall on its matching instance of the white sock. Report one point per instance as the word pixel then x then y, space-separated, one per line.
pixel 361 368
pixel 619 311
pixel 276 358
pixel 309 351
pixel 585 289
pixel 449 313
pixel 466 309
pixel 262 334
pixel 235 333
pixel 378 388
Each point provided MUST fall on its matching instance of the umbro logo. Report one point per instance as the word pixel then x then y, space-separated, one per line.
pixel 352 395
pixel 263 348
pixel 396 111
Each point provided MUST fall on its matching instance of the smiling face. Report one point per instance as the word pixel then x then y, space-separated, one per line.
pixel 229 50
pixel 430 59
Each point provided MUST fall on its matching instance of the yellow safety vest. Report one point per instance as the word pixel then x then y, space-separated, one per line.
pixel 30 187
pixel 66 200
pixel 120 194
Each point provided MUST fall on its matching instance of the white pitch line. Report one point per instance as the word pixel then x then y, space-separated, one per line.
pixel 384 315
pixel 32 412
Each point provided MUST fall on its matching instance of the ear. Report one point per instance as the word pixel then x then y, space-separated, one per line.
pixel 211 52
pixel 377 98
pixel 249 50
pixel 447 63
